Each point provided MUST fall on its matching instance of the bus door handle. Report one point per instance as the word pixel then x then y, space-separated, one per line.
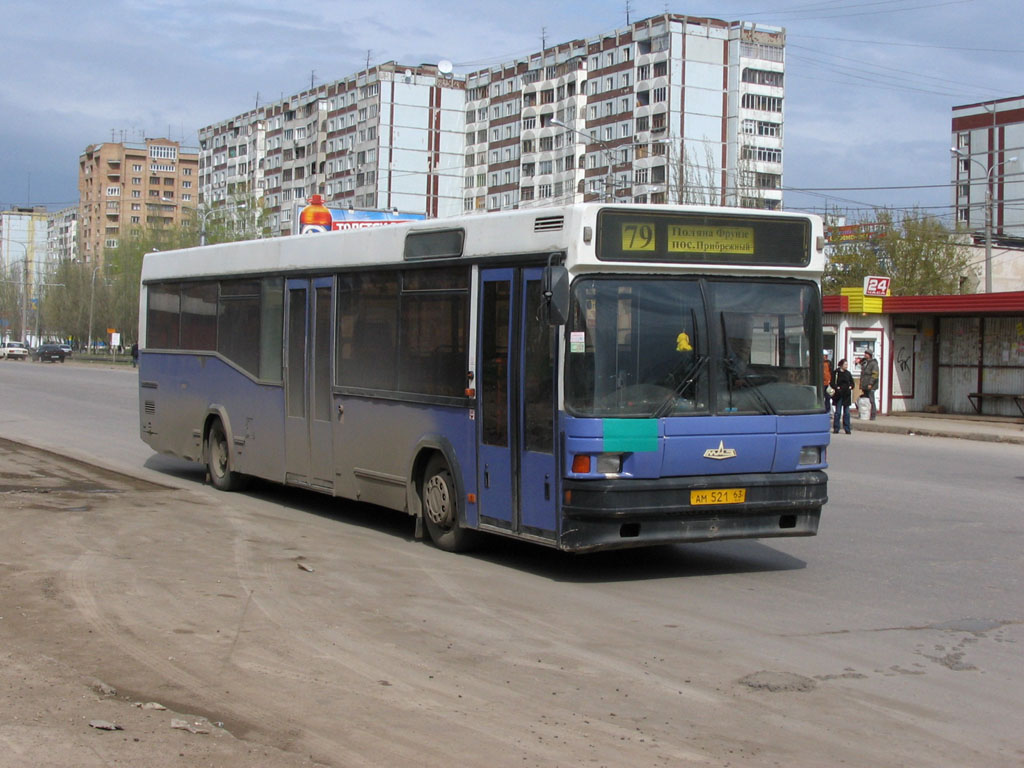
pixel 547 487
pixel 341 411
pixel 487 476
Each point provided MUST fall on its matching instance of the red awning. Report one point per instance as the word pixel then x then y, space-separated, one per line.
pixel 1007 303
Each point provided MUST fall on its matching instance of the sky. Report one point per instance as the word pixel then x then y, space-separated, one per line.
pixel 870 84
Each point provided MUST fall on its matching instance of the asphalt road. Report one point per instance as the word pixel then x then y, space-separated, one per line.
pixel 322 631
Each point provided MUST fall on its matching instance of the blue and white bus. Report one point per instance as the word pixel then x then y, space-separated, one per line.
pixel 585 377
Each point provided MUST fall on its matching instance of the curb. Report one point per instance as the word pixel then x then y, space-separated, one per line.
pixel 895 429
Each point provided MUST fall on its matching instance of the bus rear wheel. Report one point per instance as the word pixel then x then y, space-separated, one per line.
pixel 218 460
pixel 441 508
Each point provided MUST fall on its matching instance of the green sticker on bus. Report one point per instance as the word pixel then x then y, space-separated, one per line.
pixel 630 435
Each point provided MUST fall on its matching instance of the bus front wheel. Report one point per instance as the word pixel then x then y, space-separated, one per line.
pixel 218 460
pixel 441 508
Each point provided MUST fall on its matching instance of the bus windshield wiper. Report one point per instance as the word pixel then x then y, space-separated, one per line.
pixel 749 379
pixel 686 378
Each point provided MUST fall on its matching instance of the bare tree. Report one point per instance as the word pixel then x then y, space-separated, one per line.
pixel 916 250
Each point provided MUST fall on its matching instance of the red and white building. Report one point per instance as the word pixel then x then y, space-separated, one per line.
pixel 988 175
pixel 935 353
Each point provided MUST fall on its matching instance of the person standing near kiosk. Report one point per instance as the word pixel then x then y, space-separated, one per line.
pixel 869 378
pixel 827 378
pixel 843 385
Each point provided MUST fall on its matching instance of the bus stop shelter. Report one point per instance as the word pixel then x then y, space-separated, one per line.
pixel 952 354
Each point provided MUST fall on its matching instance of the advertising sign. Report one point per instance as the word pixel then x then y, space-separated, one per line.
pixel 345 219
pixel 317 217
pixel 875 285
pixel 852 233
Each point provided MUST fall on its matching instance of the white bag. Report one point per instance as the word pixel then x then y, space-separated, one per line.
pixel 864 408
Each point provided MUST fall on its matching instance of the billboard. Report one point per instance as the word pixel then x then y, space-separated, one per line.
pixel 852 233
pixel 317 217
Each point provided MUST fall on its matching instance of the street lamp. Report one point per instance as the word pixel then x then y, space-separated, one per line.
pixel 203 215
pixel 608 185
pixel 988 206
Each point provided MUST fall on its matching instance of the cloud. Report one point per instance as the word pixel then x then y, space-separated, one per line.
pixel 867 104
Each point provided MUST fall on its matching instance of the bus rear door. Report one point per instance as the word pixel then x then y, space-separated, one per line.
pixel 309 455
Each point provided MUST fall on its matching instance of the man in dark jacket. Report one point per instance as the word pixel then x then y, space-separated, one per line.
pixel 842 382
pixel 869 378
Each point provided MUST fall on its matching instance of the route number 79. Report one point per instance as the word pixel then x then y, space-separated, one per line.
pixel 637 237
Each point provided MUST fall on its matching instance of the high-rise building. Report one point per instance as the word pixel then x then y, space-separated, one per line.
pixel 62 235
pixel 389 137
pixel 671 109
pixel 24 262
pixel 131 186
pixel 988 166
pixel 668 109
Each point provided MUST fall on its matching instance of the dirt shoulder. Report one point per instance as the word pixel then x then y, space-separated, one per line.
pixel 65 676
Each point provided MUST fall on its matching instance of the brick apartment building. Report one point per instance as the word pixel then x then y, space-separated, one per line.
pixel 130 186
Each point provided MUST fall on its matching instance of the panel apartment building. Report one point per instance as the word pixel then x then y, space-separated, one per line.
pixel 128 186
pixel 669 109
pixel 386 138
pixel 672 109
pixel 24 255
pixel 62 234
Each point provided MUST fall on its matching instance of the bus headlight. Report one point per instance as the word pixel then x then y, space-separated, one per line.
pixel 810 454
pixel 609 463
pixel 602 464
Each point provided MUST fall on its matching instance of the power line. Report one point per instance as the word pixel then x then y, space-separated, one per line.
pixel 870 68
pixel 808 15
pixel 908 45
pixel 868 189
pixel 877 80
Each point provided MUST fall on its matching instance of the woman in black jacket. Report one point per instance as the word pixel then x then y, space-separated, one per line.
pixel 842 383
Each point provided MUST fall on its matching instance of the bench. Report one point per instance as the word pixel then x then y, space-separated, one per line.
pixel 977 397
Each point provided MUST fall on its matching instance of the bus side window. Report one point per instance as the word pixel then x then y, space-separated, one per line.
pixel 369 366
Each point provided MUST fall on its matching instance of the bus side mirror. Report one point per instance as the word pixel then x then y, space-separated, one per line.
pixel 555 286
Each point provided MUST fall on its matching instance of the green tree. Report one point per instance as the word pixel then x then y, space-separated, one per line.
pixel 241 216
pixel 10 303
pixel 65 305
pixel 919 253
pixel 122 272
pixel 110 293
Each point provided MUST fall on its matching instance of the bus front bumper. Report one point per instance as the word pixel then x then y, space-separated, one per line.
pixel 619 513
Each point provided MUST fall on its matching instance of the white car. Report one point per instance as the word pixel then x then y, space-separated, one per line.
pixel 13 350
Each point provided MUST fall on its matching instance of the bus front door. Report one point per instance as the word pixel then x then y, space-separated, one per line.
pixel 515 405
pixel 309 447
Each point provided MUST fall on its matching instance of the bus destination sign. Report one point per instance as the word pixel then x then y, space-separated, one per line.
pixel 683 239
pixel 641 236
pixel 703 238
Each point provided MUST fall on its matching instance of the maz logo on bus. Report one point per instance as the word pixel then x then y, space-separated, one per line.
pixel 876 286
pixel 721 452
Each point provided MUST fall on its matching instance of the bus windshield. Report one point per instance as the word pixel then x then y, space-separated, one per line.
pixel 653 347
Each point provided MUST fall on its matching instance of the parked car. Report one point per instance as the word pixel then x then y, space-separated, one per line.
pixel 66 348
pixel 51 352
pixel 14 350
